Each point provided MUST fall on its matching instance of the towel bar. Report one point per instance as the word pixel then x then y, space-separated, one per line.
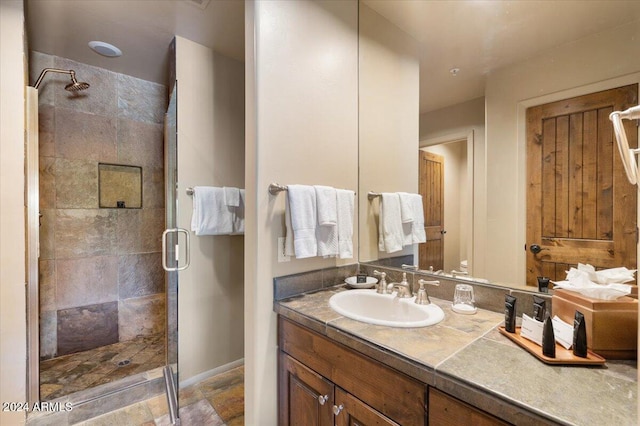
pixel 189 191
pixel 371 195
pixel 275 188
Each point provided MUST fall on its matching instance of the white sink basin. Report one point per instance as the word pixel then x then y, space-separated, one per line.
pixel 385 309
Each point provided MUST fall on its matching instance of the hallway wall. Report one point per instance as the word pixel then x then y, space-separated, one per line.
pixel 302 128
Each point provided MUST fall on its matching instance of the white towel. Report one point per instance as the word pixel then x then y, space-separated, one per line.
pixel 302 202
pixel 407 215
pixel 345 206
pixel 211 216
pixel 288 238
pixel 417 231
pixel 326 200
pixel 406 207
pixel 390 224
pixel 231 196
pixel 238 218
pixel 327 214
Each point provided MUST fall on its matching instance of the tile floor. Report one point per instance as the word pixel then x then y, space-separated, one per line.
pixel 216 401
pixel 76 372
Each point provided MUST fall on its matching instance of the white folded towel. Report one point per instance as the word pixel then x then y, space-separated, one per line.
pixel 417 230
pixel 406 207
pixel 211 216
pixel 327 205
pixel 407 215
pixel 231 196
pixel 391 235
pixel 288 238
pixel 302 202
pixel 327 213
pixel 238 218
pixel 345 206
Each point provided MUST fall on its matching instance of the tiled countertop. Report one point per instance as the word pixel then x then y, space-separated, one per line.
pixel 465 356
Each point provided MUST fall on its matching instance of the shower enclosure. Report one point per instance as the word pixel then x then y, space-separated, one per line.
pixel 102 319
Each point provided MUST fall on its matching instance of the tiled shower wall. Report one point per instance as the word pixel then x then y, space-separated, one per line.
pixel 101 277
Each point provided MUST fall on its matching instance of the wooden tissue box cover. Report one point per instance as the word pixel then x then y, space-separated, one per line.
pixel 612 325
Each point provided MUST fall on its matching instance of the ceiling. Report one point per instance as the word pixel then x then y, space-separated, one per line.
pixel 480 36
pixel 142 29
pixel 477 36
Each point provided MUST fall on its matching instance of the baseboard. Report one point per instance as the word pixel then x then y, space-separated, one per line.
pixel 210 373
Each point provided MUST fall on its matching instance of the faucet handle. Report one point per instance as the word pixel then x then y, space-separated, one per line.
pixel 381 274
pixel 422 298
pixel 382 285
pixel 410 267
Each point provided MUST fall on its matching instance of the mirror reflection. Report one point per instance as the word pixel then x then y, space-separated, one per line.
pixel 425 87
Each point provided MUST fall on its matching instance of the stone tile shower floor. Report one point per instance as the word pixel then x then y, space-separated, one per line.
pixel 216 401
pixel 76 372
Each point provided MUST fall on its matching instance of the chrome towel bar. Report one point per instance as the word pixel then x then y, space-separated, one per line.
pixel 275 188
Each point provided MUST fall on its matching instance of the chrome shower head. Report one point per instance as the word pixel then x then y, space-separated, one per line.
pixel 74 86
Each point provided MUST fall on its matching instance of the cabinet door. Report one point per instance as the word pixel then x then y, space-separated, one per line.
pixel 306 398
pixel 354 412
pixel 445 410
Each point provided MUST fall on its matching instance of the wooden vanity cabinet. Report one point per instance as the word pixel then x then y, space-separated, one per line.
pixel 321 382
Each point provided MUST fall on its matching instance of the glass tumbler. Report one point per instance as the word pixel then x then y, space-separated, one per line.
pixel 463 300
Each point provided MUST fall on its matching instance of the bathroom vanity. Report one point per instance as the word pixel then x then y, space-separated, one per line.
pixel 334 370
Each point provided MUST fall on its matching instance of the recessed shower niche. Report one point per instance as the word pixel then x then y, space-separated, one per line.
pixel 119 186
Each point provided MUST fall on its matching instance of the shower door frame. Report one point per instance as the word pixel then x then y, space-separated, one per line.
pixel 32 212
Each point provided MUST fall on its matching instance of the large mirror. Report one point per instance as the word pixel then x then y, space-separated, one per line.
pixel 455 79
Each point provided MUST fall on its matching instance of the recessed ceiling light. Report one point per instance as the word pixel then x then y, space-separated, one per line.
pixel 454 71
pixel 105 49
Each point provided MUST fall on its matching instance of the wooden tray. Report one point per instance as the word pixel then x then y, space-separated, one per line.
pixel 563 356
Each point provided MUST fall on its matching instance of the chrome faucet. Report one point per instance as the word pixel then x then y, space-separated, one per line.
pixel 410 267
pixel 382 284
pixel 403 288
pixel 455 273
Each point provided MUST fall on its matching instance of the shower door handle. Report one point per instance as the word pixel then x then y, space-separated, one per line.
pixel 187 260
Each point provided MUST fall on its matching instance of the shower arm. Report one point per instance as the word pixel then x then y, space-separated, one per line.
pixel 46 70
pixel 627 154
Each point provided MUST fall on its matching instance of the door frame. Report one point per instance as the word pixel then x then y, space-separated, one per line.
pixel 462 135
pixel 522 107
pixel 32 213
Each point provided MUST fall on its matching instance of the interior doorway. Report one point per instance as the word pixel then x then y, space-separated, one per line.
pixel 446 186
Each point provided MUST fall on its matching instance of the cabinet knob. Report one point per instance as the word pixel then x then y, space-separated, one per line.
pixel 322 399
pixel 337 409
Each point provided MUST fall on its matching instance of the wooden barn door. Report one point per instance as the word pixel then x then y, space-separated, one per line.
pixel 431 187
pixel 580 206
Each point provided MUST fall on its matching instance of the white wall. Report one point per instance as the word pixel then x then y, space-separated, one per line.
pixel 389 117
pixel 13 327
pixel 302 127
pixel 210 152
pixel 571 70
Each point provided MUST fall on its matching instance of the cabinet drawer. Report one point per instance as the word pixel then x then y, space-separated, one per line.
pixel 446 410
pixel 390 392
